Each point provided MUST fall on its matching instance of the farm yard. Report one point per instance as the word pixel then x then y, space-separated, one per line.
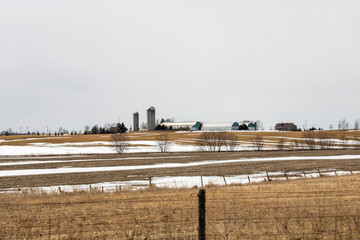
pixel 77 187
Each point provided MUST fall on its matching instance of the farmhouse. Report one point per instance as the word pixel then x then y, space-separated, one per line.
pixel 285 127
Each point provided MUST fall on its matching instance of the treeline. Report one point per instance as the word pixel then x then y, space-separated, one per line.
pixel 107 129
pixel 165 128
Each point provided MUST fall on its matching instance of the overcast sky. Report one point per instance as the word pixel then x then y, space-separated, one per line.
pixel 75 63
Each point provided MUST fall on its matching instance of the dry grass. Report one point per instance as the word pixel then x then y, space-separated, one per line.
pixel 323 208
pixel 188 138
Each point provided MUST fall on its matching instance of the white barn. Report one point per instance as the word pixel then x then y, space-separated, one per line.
pixel 217 126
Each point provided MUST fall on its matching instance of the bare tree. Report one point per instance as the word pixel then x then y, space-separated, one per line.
pixel 212 141
pixel 163 142
pixel 356 124
pixel 310 139
pixel 120 142
pixel 281 144
pixel 87 129
pixel 343 124
pixel 206 142
pixel 326 139
pixel 221 139
pixel 231 142
pixel 143 126
pixel 257 142
pixel 259 125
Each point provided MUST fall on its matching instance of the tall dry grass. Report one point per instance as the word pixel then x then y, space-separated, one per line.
pixel 323 208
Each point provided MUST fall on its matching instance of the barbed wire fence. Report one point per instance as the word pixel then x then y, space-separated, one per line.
pixel 227 213
pixel 196 182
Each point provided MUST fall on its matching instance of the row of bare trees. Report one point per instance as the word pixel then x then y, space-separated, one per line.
pixel 344 124
pixel 327 140
pixel 227 141
pixel 121 142
pixel 217 141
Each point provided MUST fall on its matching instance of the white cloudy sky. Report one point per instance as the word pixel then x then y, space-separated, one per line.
pixel 75 63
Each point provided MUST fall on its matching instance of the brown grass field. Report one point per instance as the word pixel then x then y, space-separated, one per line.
pixel 321 208
pixel 311 208
pixel 179 137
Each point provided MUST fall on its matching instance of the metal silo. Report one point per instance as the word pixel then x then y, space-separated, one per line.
pixel 136 121
pixel 151 119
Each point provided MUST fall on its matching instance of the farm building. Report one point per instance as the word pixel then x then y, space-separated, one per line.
pixel 179 125
pixel 217 126
pixel 251 127
pixel 151 118
pixel 196 127
pixel 235 126
pixel 285 127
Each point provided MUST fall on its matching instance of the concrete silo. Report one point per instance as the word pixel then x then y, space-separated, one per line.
pixel 151 119
pixel 136 121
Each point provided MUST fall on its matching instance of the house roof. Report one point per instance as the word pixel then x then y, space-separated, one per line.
pixel 197 125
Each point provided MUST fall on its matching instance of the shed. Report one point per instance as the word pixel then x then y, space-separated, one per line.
pixel 251 127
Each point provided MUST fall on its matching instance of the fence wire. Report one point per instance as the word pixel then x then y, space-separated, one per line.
pixel 162 214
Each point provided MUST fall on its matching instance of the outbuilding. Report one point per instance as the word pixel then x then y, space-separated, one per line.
pixel 251 127
pixel 235 126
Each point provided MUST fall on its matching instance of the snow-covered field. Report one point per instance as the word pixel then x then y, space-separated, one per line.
pixel 24 155
pixel 62 170
pixel 87 148
pixel 169 181
pixel 185 181
pixel 137 144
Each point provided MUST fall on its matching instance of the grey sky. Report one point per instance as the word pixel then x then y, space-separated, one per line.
pixel 75 63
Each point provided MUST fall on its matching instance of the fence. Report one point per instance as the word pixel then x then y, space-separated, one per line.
pixel 315 209
pixel 186 182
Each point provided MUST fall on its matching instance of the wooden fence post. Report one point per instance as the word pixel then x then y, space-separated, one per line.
pixel 286 176
pixel 225 180
pixel 319 173
pixel 201 229
pixel 150 181
pixel 249 179
pixel 267 175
